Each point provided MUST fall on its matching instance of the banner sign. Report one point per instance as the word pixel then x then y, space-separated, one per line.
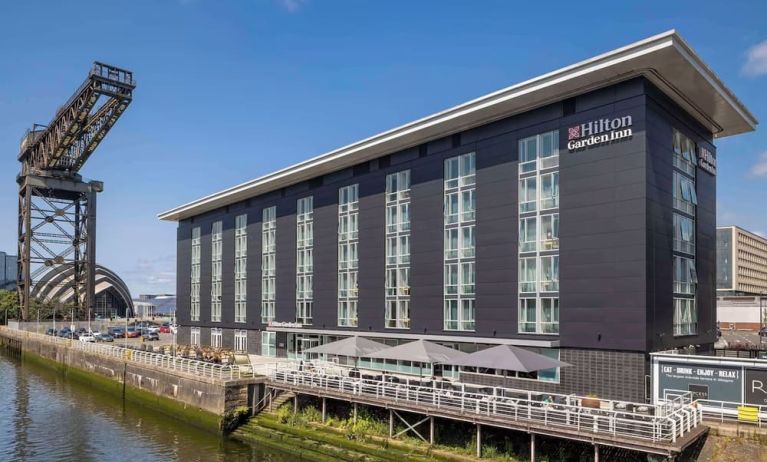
pixel 707 382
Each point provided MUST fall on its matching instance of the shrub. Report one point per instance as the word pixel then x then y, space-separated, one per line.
pixel 234 418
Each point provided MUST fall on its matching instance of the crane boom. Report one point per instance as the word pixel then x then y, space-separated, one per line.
pixel 80 125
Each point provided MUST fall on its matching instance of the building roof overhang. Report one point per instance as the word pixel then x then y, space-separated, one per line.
pixel 664 59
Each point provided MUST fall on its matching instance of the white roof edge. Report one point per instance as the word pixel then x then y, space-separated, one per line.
pixel 271 181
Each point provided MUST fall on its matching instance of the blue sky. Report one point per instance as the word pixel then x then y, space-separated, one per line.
pixel 230 90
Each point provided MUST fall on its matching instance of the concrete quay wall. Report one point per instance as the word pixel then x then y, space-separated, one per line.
pixel 201 401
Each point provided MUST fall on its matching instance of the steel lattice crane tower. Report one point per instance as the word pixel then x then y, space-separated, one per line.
pixel 57 208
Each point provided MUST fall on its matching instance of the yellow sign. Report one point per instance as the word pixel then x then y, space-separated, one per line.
pixel 748 413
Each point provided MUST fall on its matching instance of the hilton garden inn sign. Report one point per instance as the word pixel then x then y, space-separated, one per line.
pixel 598 132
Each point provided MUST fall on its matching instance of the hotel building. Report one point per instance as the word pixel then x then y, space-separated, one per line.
pixel 573 214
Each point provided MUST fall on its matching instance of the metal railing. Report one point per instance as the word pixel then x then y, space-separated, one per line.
pixel 177 364
pixel 723 411
pixel 506 405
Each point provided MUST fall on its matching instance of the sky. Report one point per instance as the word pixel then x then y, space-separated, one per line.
pixel 230 90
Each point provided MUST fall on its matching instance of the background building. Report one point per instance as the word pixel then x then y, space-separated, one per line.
pixel 8 271
pixel 741 258
pixel 151 305
pixel 573 214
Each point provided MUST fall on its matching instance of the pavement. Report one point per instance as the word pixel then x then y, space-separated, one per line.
pixel 743 337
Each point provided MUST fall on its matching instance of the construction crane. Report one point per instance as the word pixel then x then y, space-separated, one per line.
pixel 57 208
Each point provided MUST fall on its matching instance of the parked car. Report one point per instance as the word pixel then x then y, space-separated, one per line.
pixel 51 332
pixel 66 333
pixel 132 332
pixel 87 337
pixel 151 336
pixel 152 329
pixel 763 332
pixel 173 328
pixel 165 329
pixel 104 338
pixel 116 332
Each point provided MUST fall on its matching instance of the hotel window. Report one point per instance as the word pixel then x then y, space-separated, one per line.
pixel 194 336
pixel 685 276
pixel 527 315
pixel 268 343
pixel 550 191
pixel 684 234
pixel 304 259
pixel 538 310
pixel 549 232
pixel 528 196
pixel 685 198
pixel 215 337
pixel 241 341
pixel 539 152
pixel 216 253
pixel 194 314
pixel 685 158
pixel 685 316
pixel 268 263
pixel 240 267
pixel 348 233
pixel 397 241
pixel 459 244
pixel 549 273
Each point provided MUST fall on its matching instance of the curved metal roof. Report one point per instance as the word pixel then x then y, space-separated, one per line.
pixel 56 285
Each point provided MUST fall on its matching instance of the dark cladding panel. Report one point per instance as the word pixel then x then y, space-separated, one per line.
pixel 602 230
pixel 371 251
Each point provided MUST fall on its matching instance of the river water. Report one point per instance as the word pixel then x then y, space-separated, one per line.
pixel 44 417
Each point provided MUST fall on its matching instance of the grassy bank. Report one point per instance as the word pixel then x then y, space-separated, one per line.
pixel 193 416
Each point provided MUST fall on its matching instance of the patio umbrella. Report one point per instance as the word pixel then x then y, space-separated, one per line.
pixel 509 358
pixel 351 346
pixel 421 351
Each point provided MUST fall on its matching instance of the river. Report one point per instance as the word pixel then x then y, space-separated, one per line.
pixel 44 417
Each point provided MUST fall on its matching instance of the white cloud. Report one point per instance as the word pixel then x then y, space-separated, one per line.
pixel 756 62
pixel 760 233
pixel 292 5
pixel 151 275
pixel 759 169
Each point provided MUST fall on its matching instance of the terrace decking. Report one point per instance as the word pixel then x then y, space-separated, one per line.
pixel 663 430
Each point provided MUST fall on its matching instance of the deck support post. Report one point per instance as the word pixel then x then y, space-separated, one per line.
pixel 431 430
pixel 295 404
pixel 479 441
pixel 324 409
pixel 391 423
pixel 596 453
pixel 355 413
pixel 532 447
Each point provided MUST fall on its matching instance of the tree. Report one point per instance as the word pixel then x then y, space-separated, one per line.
pixel 9 305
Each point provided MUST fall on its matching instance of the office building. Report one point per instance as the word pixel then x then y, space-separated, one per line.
pixel 741 262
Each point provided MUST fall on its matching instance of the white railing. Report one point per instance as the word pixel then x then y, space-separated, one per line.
pixel 727 411
pixel 570 417
pixel 172 363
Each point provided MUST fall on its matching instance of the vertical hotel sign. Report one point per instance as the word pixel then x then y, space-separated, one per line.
pixel 599 132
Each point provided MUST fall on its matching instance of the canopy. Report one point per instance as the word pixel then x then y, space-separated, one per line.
pixel 509 358
pixel 420 351
pixel 350 346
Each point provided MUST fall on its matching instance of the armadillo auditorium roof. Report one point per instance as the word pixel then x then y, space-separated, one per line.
pixel 665 59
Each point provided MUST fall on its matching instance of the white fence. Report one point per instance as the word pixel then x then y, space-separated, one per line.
pixel 663 424
pixel 172 363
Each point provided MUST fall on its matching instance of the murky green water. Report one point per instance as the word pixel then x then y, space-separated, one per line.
pixel 44 417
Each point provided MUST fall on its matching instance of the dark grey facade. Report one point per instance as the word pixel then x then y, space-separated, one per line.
pixel 616 234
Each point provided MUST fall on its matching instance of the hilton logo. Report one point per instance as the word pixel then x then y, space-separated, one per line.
pixel 599 132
